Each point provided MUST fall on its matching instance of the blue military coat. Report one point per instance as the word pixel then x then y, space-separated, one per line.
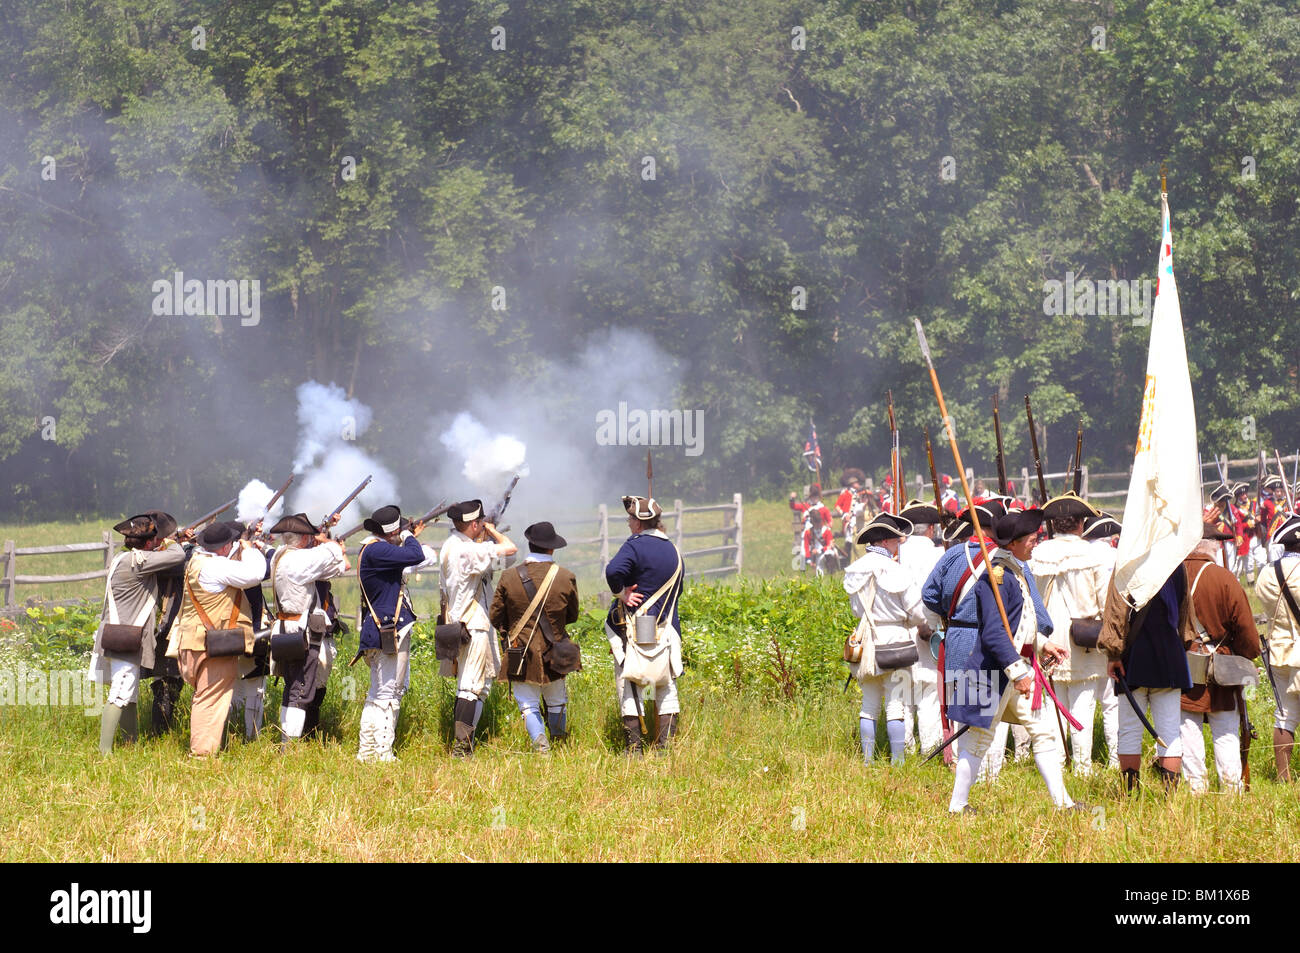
pixel 646 560
pixel 380 571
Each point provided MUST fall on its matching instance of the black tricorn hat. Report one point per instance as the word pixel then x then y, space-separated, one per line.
pixel 1101 527
pixel 1220 492
pixel 466 511
pixel 1015 525
pixel 920 513
pixel 987 514
pixel 543 536
pixel 885 526
pixel 147 525
pixel 383 521
pixel 1288 533
pixel 216 535
pixel 1273 482
pixel 1216 531
pixel 1240 488
pixel 295 523
pixel 957 531
pixel 1067 506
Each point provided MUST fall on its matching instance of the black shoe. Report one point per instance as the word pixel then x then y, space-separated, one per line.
pixel 968 809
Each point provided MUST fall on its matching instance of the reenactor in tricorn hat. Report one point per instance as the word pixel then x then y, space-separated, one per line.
pixel 882 650
pixel 466 562
pixel 1001 676
pixel 386 623
pixel 214 604
pixel 1072 576
pixel 306 558
pixel 643 626
pixel 534 602
pixel 124 641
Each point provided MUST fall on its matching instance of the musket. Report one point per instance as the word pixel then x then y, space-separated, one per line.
pixel 207 517
pixel 1078 460
pixel 934 479
pixel 1290 497
pixel 335 513
pixel 494 517
pixel 266 510
pixel 1002 460
pixel 1038 462
pixel 433 514
pixel 649 476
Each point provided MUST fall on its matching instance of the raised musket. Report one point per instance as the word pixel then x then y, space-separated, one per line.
pixel 1078 460
pixel 1038 461
pixel 334 514
pixel 207 517
pixel 895 476
pixel 270 503
pixel 944 515
pixel 494 516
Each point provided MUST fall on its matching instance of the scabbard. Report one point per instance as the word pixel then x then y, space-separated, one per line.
pixel 943 747
pixel 1142 716
pixel 1046 685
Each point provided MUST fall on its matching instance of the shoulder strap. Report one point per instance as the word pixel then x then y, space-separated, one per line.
pixel 548 631
pixel 667 586
pixel 971 569
pixel 1285 586
pixel 111 602
pixel 198 606
pixel 537 605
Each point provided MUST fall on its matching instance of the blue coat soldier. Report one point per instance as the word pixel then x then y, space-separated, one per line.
pixel 389 549
pixel 998 677
pixel 646 575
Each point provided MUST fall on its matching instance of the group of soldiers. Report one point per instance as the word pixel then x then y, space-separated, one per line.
pixel 190 608
pixel 1034 637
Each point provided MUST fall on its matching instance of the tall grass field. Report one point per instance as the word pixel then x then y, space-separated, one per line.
pixel 766 766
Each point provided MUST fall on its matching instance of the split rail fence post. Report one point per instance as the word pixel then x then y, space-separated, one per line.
pixel 9 583
pixel 740 513
pixel 677 509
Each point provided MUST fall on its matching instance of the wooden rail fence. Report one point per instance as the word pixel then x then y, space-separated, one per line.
pixel 589 548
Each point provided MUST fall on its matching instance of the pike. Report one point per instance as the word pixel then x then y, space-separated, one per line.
pixel 1002 460
pixel 208 517
pixel 894 468
pixel 1038 461
pixel 970 502
pixel 1078 460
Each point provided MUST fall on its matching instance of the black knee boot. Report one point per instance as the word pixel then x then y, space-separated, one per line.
pixel 463 746
pixel 667 729
pixel 1132 783
pixel 632 732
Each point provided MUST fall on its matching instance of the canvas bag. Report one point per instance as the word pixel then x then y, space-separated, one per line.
pixel 647 664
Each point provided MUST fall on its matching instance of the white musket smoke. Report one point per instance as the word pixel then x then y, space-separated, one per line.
pixel 252 501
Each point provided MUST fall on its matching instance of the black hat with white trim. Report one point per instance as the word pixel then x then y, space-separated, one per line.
pixel 642 507
pixel 920 513
pixel 1069 505
pixel 383 521
pixel 466 512
pixel 1103 526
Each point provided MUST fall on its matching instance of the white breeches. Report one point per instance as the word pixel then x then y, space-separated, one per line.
pixel 1164 705
pixel 629 704
pixel 477 665
pixel 1110 720
pixel 390 675
pixel 124 688
pixel 1224 728
pixel 894 688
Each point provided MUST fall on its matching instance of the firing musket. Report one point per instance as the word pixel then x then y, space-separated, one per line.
pixel 1038 461
pixel 433 514
pixel 494 516
pixel 206 518
pixel 1002 461
pixel 1078 461
pixel 334 514
pixel 266 510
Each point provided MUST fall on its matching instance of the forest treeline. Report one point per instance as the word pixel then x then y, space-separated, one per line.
pixel 436 197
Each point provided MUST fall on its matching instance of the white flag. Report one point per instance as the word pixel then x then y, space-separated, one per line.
pixel 1162 516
